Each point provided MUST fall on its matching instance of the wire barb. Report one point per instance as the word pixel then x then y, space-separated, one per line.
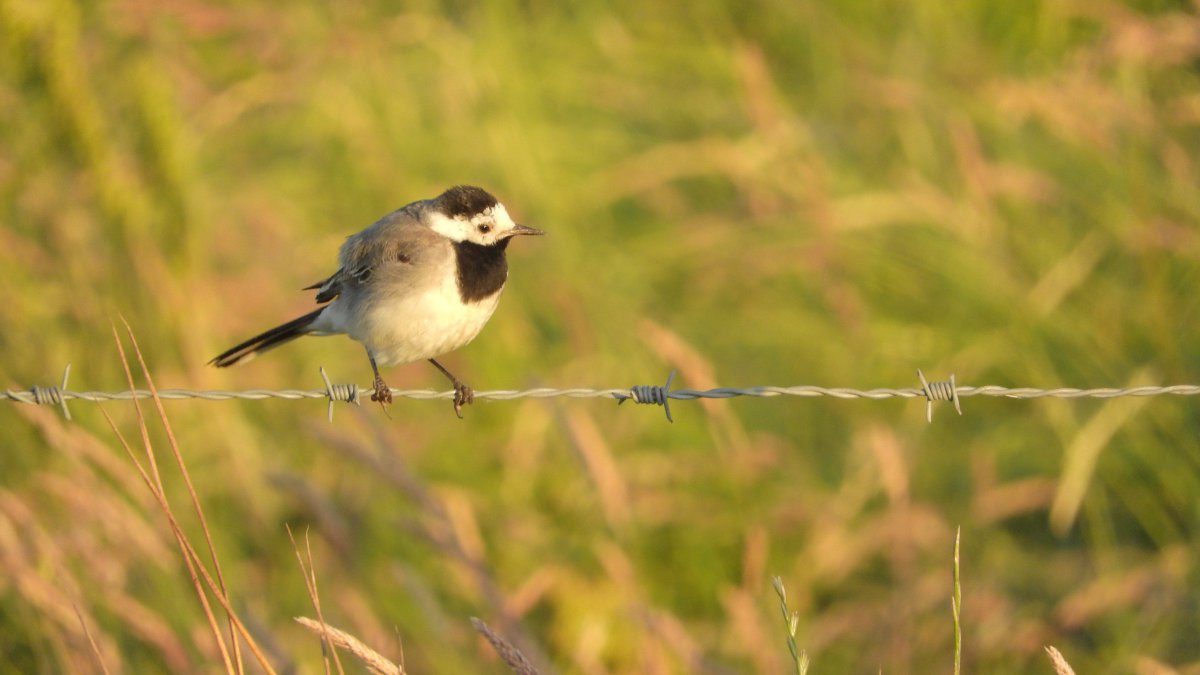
pixel 338 392
pixel 53 395
pixel 938 391
pixel 650 394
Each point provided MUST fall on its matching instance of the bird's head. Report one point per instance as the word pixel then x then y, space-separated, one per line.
pixel 466 213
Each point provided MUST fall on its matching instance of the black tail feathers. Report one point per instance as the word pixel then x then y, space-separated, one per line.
pixel 268 340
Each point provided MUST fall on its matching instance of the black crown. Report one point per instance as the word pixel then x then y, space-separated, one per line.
pixel 465 201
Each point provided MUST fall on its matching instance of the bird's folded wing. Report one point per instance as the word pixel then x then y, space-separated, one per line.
pixel 392 250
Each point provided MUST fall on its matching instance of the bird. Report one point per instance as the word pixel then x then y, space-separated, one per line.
pixel 420 282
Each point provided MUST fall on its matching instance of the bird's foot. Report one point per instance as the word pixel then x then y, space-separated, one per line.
pixel 463 395
pixel 382 393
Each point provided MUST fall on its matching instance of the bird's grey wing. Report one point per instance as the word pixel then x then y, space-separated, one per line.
pixel 389 248
pixel 388 242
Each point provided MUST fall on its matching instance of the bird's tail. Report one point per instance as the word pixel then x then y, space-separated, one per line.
pixel 268 340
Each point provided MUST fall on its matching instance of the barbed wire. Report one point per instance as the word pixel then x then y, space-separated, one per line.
pixel 660 395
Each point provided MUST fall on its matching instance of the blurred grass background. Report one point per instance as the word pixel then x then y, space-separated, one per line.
pixel 748 193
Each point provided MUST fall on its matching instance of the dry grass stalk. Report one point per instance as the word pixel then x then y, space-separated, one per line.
pixel 510 654
pixel 956 604
pixel 91 641
pixel 1061 667
pixel 199 574
pixel 310 583
pixel 153 481
pixel 370 658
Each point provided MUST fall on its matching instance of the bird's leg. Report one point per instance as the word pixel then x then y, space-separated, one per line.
pixel 463 394
pixel 382 393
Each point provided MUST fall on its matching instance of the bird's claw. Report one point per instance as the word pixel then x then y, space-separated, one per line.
pixel 382 393
pixel 463 395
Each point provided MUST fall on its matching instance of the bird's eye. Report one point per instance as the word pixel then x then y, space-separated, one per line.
pixel 484 228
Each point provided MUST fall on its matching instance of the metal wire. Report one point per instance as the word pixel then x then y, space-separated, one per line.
pixel 647 394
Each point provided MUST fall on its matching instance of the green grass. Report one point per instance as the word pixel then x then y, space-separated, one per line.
pixel 769 193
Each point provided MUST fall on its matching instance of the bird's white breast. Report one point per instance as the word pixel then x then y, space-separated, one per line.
pixel 421 324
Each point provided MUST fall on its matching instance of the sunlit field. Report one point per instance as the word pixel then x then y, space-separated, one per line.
pixel 745 194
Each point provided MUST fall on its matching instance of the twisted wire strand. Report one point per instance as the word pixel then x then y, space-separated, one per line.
pixel 619 393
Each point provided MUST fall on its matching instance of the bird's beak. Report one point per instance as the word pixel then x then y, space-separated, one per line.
pixel 524 229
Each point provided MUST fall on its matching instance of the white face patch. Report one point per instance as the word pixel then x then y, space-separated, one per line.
pixel 454 229
pixel 485 228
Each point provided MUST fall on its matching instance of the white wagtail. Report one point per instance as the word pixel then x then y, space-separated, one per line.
pixel 420 282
